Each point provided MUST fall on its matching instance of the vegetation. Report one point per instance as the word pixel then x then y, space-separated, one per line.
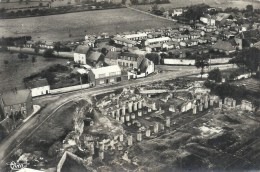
pixel 248 58
pixel 48 53
pixel 153 57
pixel 215 75
pixel 12 41
pixel 202 62
pixel 195 12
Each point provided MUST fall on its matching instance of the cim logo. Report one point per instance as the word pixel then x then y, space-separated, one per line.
pixel 17 166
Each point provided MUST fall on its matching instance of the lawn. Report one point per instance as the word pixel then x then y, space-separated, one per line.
pixel 12 75
pixel 57 27
pixel 214 3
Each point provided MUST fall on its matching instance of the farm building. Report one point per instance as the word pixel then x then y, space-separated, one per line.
pixel 157 41
pixel 124 41
pixel 80 54
pixel 224 47
pixel 128 60
pixel 111 58
pixel 39 87
pixel 16 102
pixel 105 75
pixel 136 37
pixel 144 67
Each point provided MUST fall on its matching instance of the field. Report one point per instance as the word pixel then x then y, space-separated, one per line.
pixel 214 3
pixel 57 27
pixel 12 74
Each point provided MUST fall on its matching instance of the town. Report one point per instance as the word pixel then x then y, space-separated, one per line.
pixel 176 97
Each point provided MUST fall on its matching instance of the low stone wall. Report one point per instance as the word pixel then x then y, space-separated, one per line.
pixel 68 89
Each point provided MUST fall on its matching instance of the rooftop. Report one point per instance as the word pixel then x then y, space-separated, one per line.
pixel 102 70
pixel 82 49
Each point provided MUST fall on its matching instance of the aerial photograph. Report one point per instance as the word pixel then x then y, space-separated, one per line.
pixel 129 85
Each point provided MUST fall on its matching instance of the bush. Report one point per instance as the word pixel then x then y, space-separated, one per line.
pixel 215 75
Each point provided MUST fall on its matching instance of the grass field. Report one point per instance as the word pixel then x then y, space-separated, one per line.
pixel 214 3
pixel 12 75
pixel 92 22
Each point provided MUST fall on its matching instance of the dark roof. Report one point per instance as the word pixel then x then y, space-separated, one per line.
pixel 37 83
pixel 250 34
pixel 223 45
pixel 82 49
pixel 94 56
pixel 144 64
pixel 15 97
pixel 112 55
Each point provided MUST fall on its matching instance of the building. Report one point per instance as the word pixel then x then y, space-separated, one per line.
pixel 247 38
pixel 177 12
pixel 124 42
pixel 145 67
pixel 39 87
pixel 16 102
pixel 208 20
pixel 95 59
pixel 111 58
pixel 136 37
pixel 224 47
pixel 105 75
pixel 80 54
pixel 128 60
pixel 160 40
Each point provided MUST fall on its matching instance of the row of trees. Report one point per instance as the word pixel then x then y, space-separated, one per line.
pixel 143 2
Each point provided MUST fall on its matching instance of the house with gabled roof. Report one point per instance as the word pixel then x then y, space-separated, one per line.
pixel 39 87
pixel 80 54
pixel 224 47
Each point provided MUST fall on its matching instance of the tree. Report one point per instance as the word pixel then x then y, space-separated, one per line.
pixel 215 75
pixel 36 50
pixel 202 62
pixel 154 57
pixel 248 58
pixel 48 53
pixel 123 2
pixel 250 8
pixel 23 56
pixel 33 59
pixel 57 47
pixel 104 51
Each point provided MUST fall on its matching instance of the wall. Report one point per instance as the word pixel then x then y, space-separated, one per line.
pixel 68 89
pixel 150 68
pixel 80 58
pixel 179 61
pixel 40 91
pixel 192 62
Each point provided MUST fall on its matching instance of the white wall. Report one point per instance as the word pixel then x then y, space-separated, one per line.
pixel 179 61
pixel 68 89
pixel 80 58
pixel 40 91
pixel 150 69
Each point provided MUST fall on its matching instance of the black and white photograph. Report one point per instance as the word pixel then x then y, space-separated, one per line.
pixel 129 85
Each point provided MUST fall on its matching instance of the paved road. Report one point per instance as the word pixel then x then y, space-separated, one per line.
pixel 7 147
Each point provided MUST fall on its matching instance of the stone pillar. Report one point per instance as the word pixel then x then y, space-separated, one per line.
pixel 140 113
pixel 162 127
pixel 156 128
pixel 168 121
pixel 220 103
pixel 135 106
pixel 154 106
pixel 148 133
pixel 118 112
pixel 201 107
pixel 118 117
pixel 206 104
pixel 92 148
pixel 139 136
pixel 211 102
pixel 130 140
pixel 234 103
pixel 130 107
pixel 121 137
pixel 123 110
pixel 194 110
pixel 113 113
pixel 101 155
pixel 101 146
pixel 140 104
pixel 127 117
pixel 122 118
pixel 132 116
